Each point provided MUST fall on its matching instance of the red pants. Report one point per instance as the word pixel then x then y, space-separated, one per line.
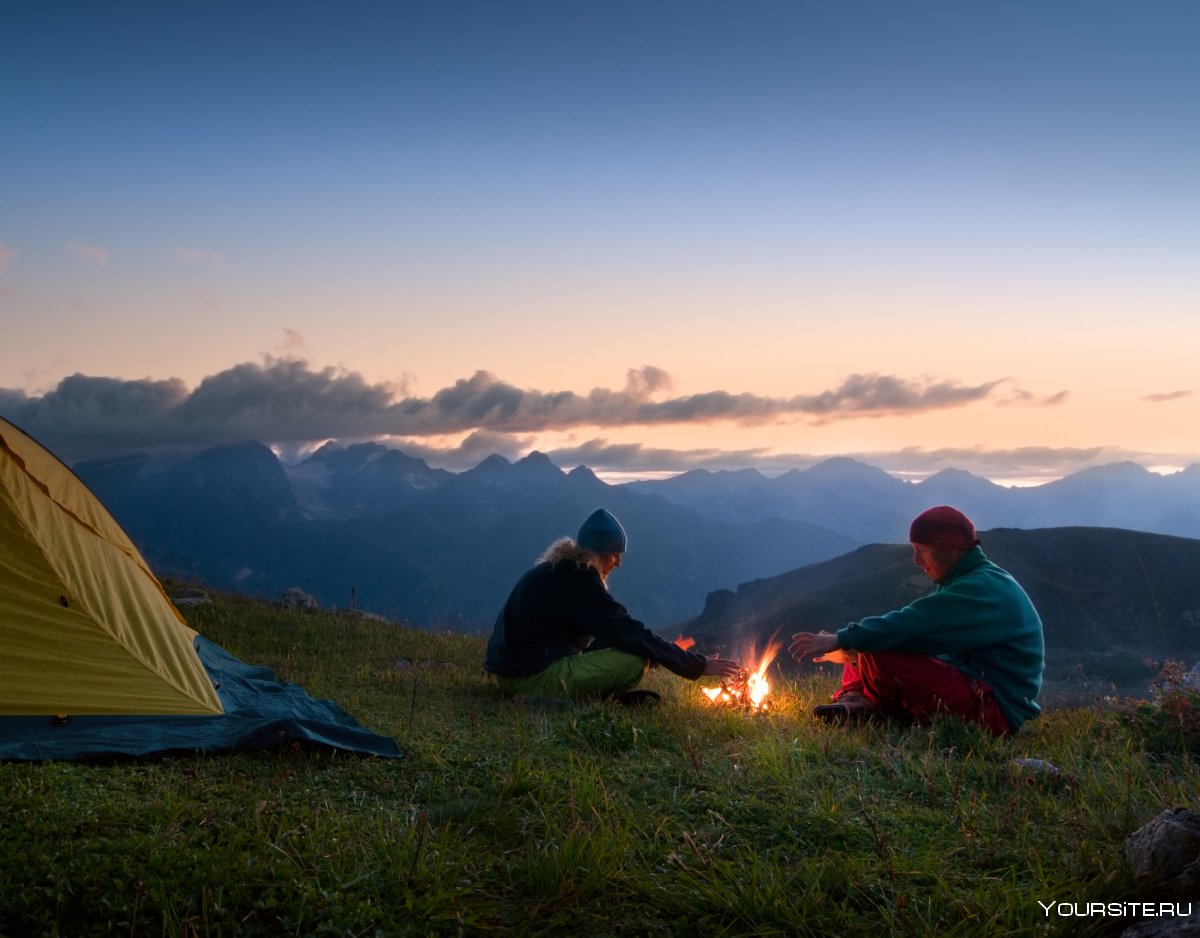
pixel 920 687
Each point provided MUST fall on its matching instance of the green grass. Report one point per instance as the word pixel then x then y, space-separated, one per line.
pixel 580 820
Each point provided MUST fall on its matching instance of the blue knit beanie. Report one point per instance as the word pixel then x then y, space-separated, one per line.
pixel 601 533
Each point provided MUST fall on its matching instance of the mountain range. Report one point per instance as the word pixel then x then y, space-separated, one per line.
pixel 373 528
pixel 870 505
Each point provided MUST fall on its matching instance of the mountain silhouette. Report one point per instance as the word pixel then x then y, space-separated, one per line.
pixel 366 478
pixel 872 506
pixel 396 538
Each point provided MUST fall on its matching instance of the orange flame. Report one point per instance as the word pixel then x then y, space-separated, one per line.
pixel 684 642
pixel 751 688
pixel 757 685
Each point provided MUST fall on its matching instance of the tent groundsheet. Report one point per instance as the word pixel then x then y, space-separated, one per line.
pixel 260 713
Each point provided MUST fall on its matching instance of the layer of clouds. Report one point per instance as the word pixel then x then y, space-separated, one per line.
pixel 283 400
pixel 1168 396
pixel 6 255
pixel 288 404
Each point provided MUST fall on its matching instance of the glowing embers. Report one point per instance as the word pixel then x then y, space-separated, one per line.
pixel 749 688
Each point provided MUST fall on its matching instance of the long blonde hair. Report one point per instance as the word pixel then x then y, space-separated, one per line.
pixel 566 549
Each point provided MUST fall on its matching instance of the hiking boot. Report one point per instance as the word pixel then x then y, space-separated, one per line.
pixel 848 708
pixel 639 698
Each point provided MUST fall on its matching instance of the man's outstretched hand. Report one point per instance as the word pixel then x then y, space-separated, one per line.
pixel 817 646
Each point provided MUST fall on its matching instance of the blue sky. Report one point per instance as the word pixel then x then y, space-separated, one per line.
pixel 923 234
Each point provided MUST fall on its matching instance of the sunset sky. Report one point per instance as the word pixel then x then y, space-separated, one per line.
pixel 643 236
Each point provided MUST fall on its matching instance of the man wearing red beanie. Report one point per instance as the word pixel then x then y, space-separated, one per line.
pixel 972 648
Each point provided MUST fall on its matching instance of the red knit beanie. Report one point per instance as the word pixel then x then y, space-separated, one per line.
pixel 943 527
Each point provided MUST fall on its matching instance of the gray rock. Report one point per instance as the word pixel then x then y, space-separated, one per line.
pixel 190 597
pixel 1167 849
pixel 1185 926
pixel 1038 767
pixel 296 598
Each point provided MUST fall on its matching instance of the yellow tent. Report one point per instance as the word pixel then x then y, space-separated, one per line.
pixel 85 627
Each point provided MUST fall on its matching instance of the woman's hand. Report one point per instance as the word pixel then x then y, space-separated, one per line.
pixel 721 667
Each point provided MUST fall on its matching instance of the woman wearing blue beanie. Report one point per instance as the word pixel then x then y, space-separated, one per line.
pixel 561 633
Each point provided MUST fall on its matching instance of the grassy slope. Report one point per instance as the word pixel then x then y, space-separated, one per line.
pixel 578 820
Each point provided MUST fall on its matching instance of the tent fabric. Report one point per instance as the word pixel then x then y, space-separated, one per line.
pixel 260 713
pixel 85 627
pixel 96 661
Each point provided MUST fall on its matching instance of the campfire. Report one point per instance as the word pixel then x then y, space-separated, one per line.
pixel 749 689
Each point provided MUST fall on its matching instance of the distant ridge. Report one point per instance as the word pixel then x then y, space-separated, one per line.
pixel 870 505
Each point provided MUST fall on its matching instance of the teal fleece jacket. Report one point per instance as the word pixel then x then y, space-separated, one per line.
pixel 980 620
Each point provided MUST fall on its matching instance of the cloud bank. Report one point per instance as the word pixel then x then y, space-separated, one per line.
pixel 1168 396
pixel 283 400
pixel 288 404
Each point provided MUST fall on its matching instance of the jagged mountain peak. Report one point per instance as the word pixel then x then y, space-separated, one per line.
pixel 1117 473
pixel 953 473
pixel 537 462
pixel 956 480
pixel 251 448
pixel 1117 470
pixel 844 466
pixel 582 472
pixel 492 464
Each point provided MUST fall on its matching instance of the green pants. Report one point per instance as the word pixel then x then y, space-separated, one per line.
pixel 591 674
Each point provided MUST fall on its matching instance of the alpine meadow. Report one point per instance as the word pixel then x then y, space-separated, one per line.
pixel 504 817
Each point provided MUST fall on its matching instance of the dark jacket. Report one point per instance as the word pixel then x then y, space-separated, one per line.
pixel 977 619
pixel 562 609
